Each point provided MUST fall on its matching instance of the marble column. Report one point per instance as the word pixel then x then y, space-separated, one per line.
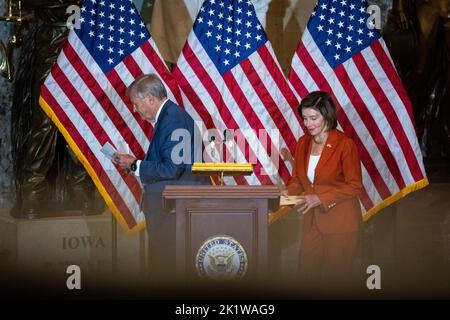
pixel 6 93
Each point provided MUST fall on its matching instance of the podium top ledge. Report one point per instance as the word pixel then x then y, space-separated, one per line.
pixel 227 169
pixel 223 192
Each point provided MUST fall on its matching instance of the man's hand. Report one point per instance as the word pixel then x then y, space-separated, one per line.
pixel 308 202
pixel 124 160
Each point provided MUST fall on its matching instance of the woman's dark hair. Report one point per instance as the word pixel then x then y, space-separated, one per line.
pixel 322 102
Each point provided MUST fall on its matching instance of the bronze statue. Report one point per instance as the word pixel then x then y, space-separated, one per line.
pixel 49 179
pixel 418 35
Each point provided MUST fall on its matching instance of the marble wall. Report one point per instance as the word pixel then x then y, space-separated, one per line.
pixel 385 7
pixel 6 184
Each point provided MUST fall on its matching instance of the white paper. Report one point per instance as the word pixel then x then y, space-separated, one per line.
pixel 108 150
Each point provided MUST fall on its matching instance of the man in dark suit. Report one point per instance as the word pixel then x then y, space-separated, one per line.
pixel 167 162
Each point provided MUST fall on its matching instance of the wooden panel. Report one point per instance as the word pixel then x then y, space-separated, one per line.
pixel 240 212
pixel 241 225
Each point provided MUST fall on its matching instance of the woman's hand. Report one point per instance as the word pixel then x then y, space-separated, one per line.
pixel 307 202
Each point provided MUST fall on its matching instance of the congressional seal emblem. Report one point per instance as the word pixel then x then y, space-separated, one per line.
pixel 221 258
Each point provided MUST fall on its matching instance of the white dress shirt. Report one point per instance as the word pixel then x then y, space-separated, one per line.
pixel 313 161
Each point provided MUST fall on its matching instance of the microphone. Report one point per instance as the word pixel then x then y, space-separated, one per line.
pixel 228 144
pixel 212 145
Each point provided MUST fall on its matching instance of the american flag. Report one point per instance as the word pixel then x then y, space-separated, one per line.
pixel 84 95
pixel 341 52
pixel 230 79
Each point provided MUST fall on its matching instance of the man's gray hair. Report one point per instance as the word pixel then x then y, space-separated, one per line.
pixel 146 85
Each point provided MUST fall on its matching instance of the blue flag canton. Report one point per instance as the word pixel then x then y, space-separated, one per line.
pixel 111 30
pixel 229 31
pixel 342 28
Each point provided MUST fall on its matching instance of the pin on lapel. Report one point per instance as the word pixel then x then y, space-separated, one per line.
pixel 328 145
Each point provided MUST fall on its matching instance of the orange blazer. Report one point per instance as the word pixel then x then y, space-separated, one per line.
pixel 337 183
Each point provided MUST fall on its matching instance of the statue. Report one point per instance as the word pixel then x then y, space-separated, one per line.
pixel 418 35
pixel 14 15
pixel 49 179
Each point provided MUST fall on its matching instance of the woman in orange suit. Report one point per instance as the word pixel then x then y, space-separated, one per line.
pixel 327 176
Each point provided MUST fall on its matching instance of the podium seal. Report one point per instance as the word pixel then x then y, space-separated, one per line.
pixel 221 258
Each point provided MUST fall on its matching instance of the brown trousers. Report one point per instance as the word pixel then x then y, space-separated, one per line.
pixel 326 258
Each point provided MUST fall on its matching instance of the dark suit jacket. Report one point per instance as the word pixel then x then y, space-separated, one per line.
pixel 337 183
pixel 158 170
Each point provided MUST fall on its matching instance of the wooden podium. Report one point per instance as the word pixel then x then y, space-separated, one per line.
pixel 222 231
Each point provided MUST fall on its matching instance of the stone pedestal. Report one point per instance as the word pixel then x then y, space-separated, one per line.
pixel 50 245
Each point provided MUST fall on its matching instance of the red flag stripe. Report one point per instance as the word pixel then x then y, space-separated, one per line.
pixel 367 201
pixel 373 164
pixel 116 81
pixel 116 94
pixel 81 98
pixel 297 84
pixel 194 100
pixel 396 101
pixel 298 66
pixel 102 99
pixel 135 71
pixel 390 113
pixel 392 75
pixel 92 122
pixel 272 66
pixel 274 69
pixel 249 114
pixel 369 122
pixel 303 91
pixel 300 73
pixel 366 159
pixel 132 67
pixel 155 59
pixel 216 96
pixel 87 152
pixel 268 104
